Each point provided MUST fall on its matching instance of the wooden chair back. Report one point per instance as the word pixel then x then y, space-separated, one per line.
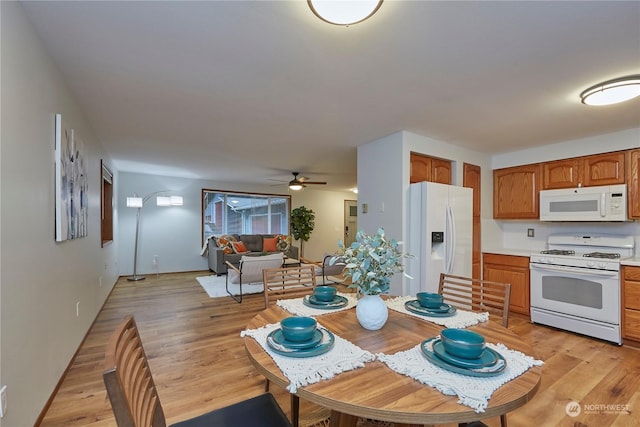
pixel 128 380
pixel 476 295
pixel 287 282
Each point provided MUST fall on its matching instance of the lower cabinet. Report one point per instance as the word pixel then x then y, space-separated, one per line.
pixel 631 302
pixel 509 269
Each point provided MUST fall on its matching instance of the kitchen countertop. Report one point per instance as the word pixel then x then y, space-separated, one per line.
pixel 631 261
pixel 635 261
pixel 508 251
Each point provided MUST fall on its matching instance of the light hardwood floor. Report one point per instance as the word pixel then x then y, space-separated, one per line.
pixel 198 362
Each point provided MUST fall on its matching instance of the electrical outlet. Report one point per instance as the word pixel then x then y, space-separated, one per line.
pixel 3 401
pixel 100 281
pixel 530 232
pixel 78 309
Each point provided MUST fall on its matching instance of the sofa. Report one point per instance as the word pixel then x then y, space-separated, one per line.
pixel 228 248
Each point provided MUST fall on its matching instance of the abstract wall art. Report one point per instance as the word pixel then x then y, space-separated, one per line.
pixel 72 201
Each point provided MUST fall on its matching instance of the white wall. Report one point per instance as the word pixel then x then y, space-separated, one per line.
pixel 328 207
pixel 175 233
pixel 621 140
pixel 41 280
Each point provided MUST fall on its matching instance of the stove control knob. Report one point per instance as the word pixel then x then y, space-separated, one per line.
pixel 590 264
pixel 602 265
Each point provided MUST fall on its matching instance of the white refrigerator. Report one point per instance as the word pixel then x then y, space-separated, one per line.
pixel 440 234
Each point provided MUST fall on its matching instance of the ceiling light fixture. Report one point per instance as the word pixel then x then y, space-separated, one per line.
pixel 295 186
pixel 344 12
pixel 612 91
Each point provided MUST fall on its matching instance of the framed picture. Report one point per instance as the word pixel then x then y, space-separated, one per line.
pixel 72 199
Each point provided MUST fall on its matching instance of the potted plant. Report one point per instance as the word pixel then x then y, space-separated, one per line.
pixel 371 262
pixel 302 224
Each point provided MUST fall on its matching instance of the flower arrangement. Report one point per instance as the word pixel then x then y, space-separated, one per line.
pixel 371 261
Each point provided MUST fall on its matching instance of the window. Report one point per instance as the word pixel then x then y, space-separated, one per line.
pixel 226 212
pixel 106 205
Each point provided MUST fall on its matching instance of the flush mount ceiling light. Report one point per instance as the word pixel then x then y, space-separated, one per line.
pixel 344 12
pixel 612 91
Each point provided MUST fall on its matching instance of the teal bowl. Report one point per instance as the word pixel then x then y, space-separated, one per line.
pixel 462 343
pixel 429 300
pixel 298 328
pixel 325 293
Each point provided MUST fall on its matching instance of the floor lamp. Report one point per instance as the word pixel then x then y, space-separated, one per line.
pixel 138 203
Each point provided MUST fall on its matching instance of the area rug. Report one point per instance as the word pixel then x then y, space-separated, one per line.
pixel 214 286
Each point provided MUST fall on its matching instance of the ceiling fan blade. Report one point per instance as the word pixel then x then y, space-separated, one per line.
pixel 315 182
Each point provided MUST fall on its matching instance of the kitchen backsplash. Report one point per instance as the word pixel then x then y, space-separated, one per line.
pixel 514 233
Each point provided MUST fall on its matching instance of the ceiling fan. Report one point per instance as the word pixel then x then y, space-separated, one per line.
pixel 299 183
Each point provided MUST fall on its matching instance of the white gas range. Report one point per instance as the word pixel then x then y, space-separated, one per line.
pixel 575 283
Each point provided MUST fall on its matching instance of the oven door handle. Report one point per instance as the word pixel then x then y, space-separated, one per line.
pixel 582 271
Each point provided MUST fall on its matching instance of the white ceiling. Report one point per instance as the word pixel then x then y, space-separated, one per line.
pixel 248 91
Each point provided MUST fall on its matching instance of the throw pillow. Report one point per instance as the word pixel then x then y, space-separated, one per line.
pixel 224 242
pixel 269 244
pixel 239 247
pixel 284 242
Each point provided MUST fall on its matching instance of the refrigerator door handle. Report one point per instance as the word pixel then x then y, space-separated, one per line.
pixel 450 240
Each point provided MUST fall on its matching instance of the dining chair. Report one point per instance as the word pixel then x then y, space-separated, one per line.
pixel 249 270
pixel 330 273
pixel 477 295
pixel 288 282
pixel 135 400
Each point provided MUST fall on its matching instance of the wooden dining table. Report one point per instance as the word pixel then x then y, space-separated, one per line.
pixel 377 392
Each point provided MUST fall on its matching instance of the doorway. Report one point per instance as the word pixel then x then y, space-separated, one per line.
pixel 350 221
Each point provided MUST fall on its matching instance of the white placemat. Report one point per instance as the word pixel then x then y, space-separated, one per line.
pixel 297 307
pixel 344 356
pixel 461 319
pixel 474 392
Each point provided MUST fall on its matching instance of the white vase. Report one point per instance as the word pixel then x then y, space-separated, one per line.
pixel 372 312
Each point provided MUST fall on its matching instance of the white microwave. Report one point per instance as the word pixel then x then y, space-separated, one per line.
pixel 603 203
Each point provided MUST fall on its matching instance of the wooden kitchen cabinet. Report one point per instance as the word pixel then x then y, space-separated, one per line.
pixel 561 174
pixel 603 169
pixel 471 178
pixel 516 192
pixel 432 169
pixel 509 269
pixel 633 183
pixel 631 302
pixel 586 171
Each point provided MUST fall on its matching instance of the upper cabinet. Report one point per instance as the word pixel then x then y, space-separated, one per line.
pixel 516 189
pixel 515 192
pixel 587 171
pixel 560 174
pixel 603 169
pixel 633 183
pixel 425 168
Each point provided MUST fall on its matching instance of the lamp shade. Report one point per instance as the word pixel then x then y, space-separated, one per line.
pixel 134 202
pixel 344 12
pixel 169 201
pixel 612 91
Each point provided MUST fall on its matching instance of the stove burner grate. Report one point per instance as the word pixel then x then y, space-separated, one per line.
pixel 558 252
pixel 608 255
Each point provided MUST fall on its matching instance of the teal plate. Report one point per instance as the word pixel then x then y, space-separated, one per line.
pixel 488 357
pixel 338 302
pixel 324 346
pixel 415 307
pixel 278 337
pixel 488 371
